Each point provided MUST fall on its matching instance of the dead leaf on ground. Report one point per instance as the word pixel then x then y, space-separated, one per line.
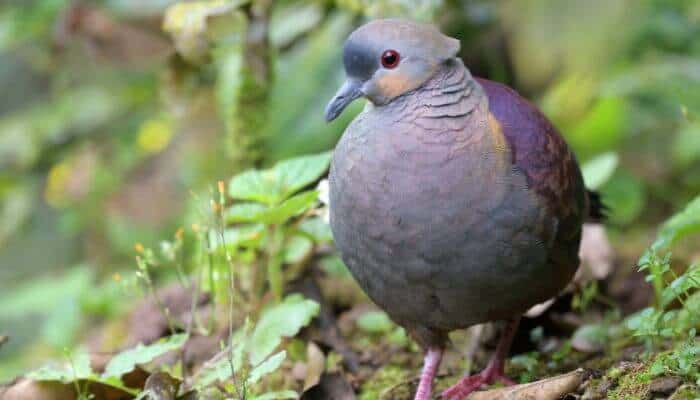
pixel 315 365
pixel 161 386
pixel 545 389
pixel 26 389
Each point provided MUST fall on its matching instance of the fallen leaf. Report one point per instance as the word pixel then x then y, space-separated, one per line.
pixel 315 365
pixel 545 389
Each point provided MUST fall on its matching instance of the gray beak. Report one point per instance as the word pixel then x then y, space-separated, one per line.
pixel 349 92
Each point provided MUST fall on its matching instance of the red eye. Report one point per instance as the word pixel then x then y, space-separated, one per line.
pixel 390 59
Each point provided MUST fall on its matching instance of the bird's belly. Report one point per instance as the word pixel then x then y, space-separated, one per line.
pixel 444 242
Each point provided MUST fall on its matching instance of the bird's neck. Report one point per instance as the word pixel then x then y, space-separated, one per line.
pixel 451 96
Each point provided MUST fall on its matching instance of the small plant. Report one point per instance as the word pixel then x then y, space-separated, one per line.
pixel 269 222
pixel 662 321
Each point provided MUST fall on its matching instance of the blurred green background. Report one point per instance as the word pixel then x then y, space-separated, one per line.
pixel 113 112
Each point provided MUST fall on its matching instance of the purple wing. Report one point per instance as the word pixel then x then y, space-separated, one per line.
pixel 550 167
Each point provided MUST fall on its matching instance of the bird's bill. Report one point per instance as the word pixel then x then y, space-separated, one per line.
pixel 349 92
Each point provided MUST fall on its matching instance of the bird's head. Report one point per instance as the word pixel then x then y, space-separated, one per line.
pixel 387 58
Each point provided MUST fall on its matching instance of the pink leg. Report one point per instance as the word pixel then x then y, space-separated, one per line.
pixel 430 368
pixel 493 372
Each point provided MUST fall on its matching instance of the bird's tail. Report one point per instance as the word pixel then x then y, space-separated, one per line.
pixel 597 210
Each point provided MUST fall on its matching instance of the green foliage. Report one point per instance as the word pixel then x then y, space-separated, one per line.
pixel 251 357
pixel 659 321
pixel 682 361
pixel 599 170
pixel 682 224
pixel 77 367
pixel 126 361
pixel 274 185
pixel 280 321
pixel 625 196
pixel 375 322
pixel 74 370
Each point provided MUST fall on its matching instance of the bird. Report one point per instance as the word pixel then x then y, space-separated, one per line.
pixel 453 200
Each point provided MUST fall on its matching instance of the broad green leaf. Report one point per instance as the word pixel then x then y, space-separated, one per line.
pixel 297 126
pixel 683 284
pixel 273 215
pixel 220 371
pixel 77 367
pixel 274 185
pixel 279 321
pixel 298 172
pixel 243 235
pixel 334 266
pixel 601 129
pixel 266 367
pixel 686 145
pixel 283 395
pixel 297 247
pixel 318 229
pixel 126 361
pixel 680 225
pixel 597 171
pixel 375 322
pixel 254 185
pixel 625 196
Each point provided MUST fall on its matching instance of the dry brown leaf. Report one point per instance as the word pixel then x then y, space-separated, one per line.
pixel 26 389
pixel 315 365
pixel 546 389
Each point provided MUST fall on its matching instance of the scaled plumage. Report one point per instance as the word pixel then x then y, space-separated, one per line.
pixel 453 200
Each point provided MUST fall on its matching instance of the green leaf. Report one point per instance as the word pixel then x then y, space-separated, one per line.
pixel 625 196
pixel 243 235
pixel 297 103
pixel 334 266
pixel 375 322
pixel 296 248
pixel 274 185
pixel 126 361
pixel 221 369
pixel 680 225
pixel 77 367
pixel 684 283
pixel 280 320
pixel 272 215
pixel 318 229
pixel 686 145
pixel 597 171
pixel 298 172
pixel 601 129
pixel 266 367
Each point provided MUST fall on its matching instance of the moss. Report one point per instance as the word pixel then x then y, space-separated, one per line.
pixel 631 385
pixel 686 392
pixel 387 379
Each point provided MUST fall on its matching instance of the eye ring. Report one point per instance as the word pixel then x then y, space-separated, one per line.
pixel 390 59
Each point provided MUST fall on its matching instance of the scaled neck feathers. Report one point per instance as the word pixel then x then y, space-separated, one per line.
pixel 449 101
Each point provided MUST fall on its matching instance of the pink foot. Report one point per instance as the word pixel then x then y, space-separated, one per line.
pixel 430 368
pixel 493 372
pixel 469 384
